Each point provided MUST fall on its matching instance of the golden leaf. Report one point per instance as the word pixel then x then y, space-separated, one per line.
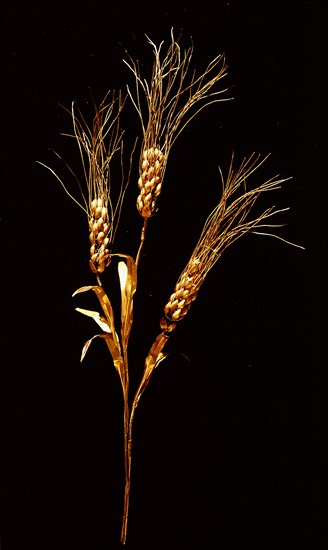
pixel 106 307
pixel 82 289
pixel 86 347
pixel 155 355
pixel 153 359
pixel 106 324
pixel 114 351
pixel 101 321
pixel 104 302
pixel 127 272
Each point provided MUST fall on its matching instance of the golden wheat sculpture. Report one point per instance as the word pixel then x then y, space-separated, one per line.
pixel 165 102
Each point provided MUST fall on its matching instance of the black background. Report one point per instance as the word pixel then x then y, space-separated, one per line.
pixel 222 451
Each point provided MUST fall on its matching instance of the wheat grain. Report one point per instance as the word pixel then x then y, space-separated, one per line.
pixel 99 227
pixel 150 181
pixel 185 292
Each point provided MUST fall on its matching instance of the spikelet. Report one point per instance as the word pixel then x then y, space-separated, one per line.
pixel 99 227
pixel 150 181
pixel 184 294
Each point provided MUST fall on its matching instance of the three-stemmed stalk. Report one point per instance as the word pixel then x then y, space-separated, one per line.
pixel 165 102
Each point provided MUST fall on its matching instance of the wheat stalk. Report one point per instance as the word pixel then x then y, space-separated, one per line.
pixel 98 144
pixel 170 96
pixel 227 223
pixel 166 103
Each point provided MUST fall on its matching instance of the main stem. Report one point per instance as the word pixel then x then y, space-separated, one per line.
pixel 128 451
pixel 128 418
pixel 127 466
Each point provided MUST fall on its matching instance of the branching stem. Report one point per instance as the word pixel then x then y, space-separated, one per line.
pixel 173 97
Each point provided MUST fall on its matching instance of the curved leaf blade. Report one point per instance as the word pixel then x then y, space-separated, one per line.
pixel 86 347
pixel 114 351
pixel 101 321
pixel 105 305
pixel 127 272
pixel 153 359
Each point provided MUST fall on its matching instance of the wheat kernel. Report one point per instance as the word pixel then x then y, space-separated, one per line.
pixel 100 237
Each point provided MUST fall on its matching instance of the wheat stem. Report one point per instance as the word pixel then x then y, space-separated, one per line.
pixel 128 462
pixel 165 103
pixel 142 240
pixel 126 417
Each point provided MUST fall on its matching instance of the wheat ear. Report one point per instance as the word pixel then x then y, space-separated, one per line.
pixel 98 146
pixel 150 181
pixel 184 294
pixel 170 99
pixel 99 235
pixel 227 223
